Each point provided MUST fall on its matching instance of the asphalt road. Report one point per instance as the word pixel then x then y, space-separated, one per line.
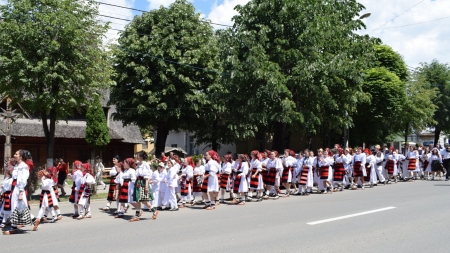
pixel 418 223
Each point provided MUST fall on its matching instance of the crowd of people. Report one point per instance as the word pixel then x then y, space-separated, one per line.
pixel 205 180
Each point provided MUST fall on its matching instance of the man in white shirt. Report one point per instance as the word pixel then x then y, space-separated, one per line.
pixel 445 154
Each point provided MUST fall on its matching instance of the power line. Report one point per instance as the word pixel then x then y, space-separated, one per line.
pixel 399 15
pixel 144 11
pixel 392 27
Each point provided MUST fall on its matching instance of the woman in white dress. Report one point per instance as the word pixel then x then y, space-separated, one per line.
pixel 289 164
pixel 225 179
pixel 240 181
pixel 256 182
pixel 435 162
pixel 359 172
pixel 210 188
pixel 187 172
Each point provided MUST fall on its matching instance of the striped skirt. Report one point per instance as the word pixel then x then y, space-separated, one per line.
pixel 224 181
pixel 112 188
pixel 390 166
pixel 6 201
pixel 412 164
pixel 367 177
pixel 270 178
pixel 425 164
pixel 49 198
pixel 123 194
pixel 236 183
pixel 254 182
pixel 304 176
pixel 197 184
pixel 55 190
pixel 357 169
pixel 324 170
pixel 205 183
pixel 185 186
pixel 286 177
pixel 339 172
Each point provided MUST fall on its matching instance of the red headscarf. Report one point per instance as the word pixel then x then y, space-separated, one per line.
pixel 256 154
pixel 367 151
pixel 214 155
pixel 190 161
pixel 130 162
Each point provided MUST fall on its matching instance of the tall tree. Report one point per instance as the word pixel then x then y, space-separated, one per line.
pixel 52 60
pixel 97 131
pixel 438 76
pixel 299 63
pixel 166 61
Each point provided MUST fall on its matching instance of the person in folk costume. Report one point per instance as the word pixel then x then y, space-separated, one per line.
pixel 187 172
pixel 296 173
pixel 142 192
pixel 63 171
pixel 391 165
pixel 378 166
pixel 348 175
pixel 306 174
pixel 5 203
pixel 210 182
pixel 371 175
pixel 256 181
pixel 19 175
pixel 87 182
pixel 425 158
pixel 339 169
pixel 316 171
pixel 46 201
pixel 127 180
pixel 54 173
pixel 412 166
pixel 359 172
pixel 445 154
pixel 274 166
pixel 77 174
pixel 225 179
pixel 121 193
pixel 171 180
pixel 240 183
pixel 112 184
pixel 98 168
pixel 158 186
pixel 325 161
pixel 435 164
pixel 197 179
pixel 289 163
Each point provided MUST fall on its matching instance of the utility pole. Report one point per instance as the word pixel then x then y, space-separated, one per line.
pixel 9 115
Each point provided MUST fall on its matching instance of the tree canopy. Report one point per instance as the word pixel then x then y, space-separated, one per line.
pixel 52 60
pixel 166 60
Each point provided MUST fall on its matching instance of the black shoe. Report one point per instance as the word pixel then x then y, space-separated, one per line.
pixel 174 209
pixel 347 187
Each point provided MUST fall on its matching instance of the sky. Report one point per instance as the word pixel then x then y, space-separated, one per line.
pixel 417 29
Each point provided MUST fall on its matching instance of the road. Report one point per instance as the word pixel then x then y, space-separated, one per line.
pixel 417 222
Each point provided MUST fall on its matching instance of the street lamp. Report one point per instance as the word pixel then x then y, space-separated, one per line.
pixel 365 16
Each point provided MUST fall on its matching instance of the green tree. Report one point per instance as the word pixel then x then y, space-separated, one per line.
pixel 97 131
pixel 166 61
pixel 51 58
pixel 437 75
pixel 299 63
pixel 391 60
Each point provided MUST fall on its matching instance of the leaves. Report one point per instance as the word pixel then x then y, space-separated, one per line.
pixel 97 131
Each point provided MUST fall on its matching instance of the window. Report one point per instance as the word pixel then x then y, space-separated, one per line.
pixel 191 150
pixel 145 145
pixel 174 145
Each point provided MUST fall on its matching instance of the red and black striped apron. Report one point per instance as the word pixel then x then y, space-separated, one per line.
pixel 412 163
pixel 324 171
pixel 339 172
pixel 357 169
pixel 185 185
pixel 237 182
pixel 254 182
pixel 205 183
pixel 6 201
pixel 271 177
pixel 367 177
pixel 285 175
pixel 49 198
pixel 390 166
pixel 123 194
pixel 112 188
pixel 224 181
pixel 55 190
pixel 72 194
pixel 196 184
pixel 304 176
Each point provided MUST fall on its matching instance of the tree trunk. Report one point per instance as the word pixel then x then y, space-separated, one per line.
pixel 406 132
pixel 49 131
pixel 214 143
pixel 437 134
pixel 162 131
pixel 279 136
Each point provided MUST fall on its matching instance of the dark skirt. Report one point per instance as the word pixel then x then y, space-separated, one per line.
pixel 412 164
pixel 271 177
pixel 367 177
pixel 224 181
pixel 184 187
pixel 304 176
pixel 72 194
pixel 123 194
pixel 254 182
pixel 49 198
pixel 6 201
pixel 112 188
pixel 285 175
pixel 390 166
pixel 205 183
pixel 196 184
pixel 324 171
pixel 339 172
pixel 357 169
pixel 61 177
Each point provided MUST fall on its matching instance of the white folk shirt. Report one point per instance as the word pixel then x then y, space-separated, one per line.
pixel 444 154
pixel 143 170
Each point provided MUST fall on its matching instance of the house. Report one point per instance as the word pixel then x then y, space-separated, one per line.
pixel 70 136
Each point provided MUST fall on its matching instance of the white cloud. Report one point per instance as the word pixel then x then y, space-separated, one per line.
pixel 155 4
pixel 223 13
pixel 416 43
pixel 116 12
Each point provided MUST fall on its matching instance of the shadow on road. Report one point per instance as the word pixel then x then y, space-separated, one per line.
pixel 442 185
